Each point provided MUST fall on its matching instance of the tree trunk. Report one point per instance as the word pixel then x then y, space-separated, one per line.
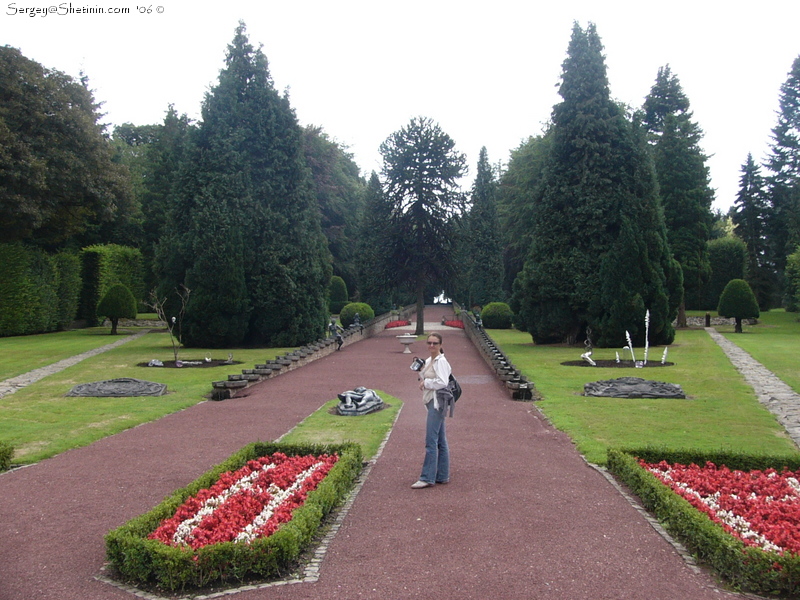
pixel 738 328
pixel 682 315
pixel 420 310
pixel 114 326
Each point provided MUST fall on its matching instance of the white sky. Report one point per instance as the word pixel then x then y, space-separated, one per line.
pixel 486 72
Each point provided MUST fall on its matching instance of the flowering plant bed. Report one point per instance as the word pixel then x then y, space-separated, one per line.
pixel 458 324
pixel 392 324
pixel 249 517
pixel 738 513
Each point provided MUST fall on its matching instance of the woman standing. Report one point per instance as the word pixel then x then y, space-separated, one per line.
pixel 434 375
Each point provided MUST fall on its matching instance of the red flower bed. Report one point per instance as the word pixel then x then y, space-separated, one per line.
pixel 391 324
pixel 249 503
pixel 458 324
pixel 762 508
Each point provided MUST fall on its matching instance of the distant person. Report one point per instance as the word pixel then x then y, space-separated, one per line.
pixel 434 375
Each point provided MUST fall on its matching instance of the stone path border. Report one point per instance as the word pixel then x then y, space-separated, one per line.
pixel 780 399
pixel 9 386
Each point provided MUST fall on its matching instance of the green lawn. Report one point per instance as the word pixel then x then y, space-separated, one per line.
pixel 720 411
pixel 40 421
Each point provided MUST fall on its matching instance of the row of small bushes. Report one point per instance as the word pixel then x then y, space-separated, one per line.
pixel 139 560
pixel 745 567
pixel 38 292
pixel 6 454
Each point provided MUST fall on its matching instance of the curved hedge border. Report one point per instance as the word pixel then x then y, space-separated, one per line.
pixel 139 560
pixel 744 567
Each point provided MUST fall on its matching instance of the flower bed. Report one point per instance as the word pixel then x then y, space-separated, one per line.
pixel 249 517
pixel 458 324
pixel 740 518
pixel 392 324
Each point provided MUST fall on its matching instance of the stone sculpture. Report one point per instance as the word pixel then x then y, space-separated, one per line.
pixel 633 387
pixel 359 401
pixel 122 387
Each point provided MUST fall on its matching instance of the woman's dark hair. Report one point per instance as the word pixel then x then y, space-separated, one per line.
pixel 438 336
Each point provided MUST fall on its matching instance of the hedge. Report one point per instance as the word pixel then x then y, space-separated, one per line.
pixel 139 560
pixel 104 266
pixel 348 313
pixel 744 567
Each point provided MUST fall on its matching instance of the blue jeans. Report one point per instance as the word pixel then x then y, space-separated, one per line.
pixel 436 467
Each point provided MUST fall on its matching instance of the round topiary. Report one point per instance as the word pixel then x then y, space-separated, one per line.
pixel 348 313
pixel 497 315
pixel 738 302
pixel 337 294
pixel 118 303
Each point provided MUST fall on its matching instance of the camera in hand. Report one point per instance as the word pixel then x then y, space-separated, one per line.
pixel 417 364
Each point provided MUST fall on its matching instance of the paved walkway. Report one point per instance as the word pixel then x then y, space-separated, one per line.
pixel 524 515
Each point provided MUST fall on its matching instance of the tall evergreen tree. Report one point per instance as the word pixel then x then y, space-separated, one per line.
pixel 683 179
pixel 750 219
pixel 421 168
pixel 484 250
pixel 244 230
pixel 599 258
pixel 783 181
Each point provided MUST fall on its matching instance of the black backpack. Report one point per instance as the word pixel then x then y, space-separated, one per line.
pixel 454 388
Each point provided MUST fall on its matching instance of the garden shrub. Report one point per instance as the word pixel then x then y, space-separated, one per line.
pixel 348 313
pixel 141 560
pixel 497 315
pixel 28 290
pixel 738 302
pixel 793 281
pixel 338 296
pixel 745 567
pixel 68 266
pixel 104 265
pixel 6 454
pixel 118 303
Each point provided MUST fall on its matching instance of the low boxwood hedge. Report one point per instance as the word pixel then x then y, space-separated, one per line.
pixel 139 560
pixel 744 567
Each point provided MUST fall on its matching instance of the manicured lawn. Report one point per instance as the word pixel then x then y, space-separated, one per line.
pixel 40 421
pixel 720 411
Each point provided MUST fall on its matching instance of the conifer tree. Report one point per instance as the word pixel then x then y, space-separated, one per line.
pixel 683 179
pixel 599 258
pixel 245 231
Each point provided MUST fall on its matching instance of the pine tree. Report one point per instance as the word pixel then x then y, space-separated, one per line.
pixel 783 181
pixel 599 258
pixel 483 249
pixel 750 219
pixel 683 179
pixel 421 169
pixel 245 233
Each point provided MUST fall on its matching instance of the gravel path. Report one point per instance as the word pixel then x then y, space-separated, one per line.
pixel 524 515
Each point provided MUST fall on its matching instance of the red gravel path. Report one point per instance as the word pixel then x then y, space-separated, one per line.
pixel 523 516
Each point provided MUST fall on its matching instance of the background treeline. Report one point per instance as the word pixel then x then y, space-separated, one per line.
pixel 604 215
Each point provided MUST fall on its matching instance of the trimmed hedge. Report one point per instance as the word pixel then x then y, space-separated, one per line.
pixel 348 313
pixel 497 315
pixel 338 296
pixel 104 266
pixel 142 561
pixel 745 567
pixel 6 454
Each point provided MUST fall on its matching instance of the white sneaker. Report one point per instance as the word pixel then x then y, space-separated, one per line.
pixel 421 484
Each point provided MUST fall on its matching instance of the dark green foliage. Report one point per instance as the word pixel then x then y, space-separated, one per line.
pixel 421 169
pixel 57 177
pixel 244 228
pixel 339 190
pixel 750 218
pixel 793 281
pixel 348 313
pixel 728 259
pixel 117 303
pixel 102 267
pixel 783 181
pixel 29 283
pixel 6 454
pixel 140 560
pixel 68 266
pixel 738 302
pixel 519 186
pixel 338 296
pixel 483 251
pixel 683 180
pixel 497 315
pixel 599 257
pixel 744 567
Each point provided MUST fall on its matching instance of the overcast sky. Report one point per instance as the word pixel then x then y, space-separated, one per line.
pixel 487 72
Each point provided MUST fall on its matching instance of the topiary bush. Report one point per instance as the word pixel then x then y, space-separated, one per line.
pixel 348 313
pixel 738 302
pixel 118 303
pixel 793 281
pixel 337 295
pixel 497 315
